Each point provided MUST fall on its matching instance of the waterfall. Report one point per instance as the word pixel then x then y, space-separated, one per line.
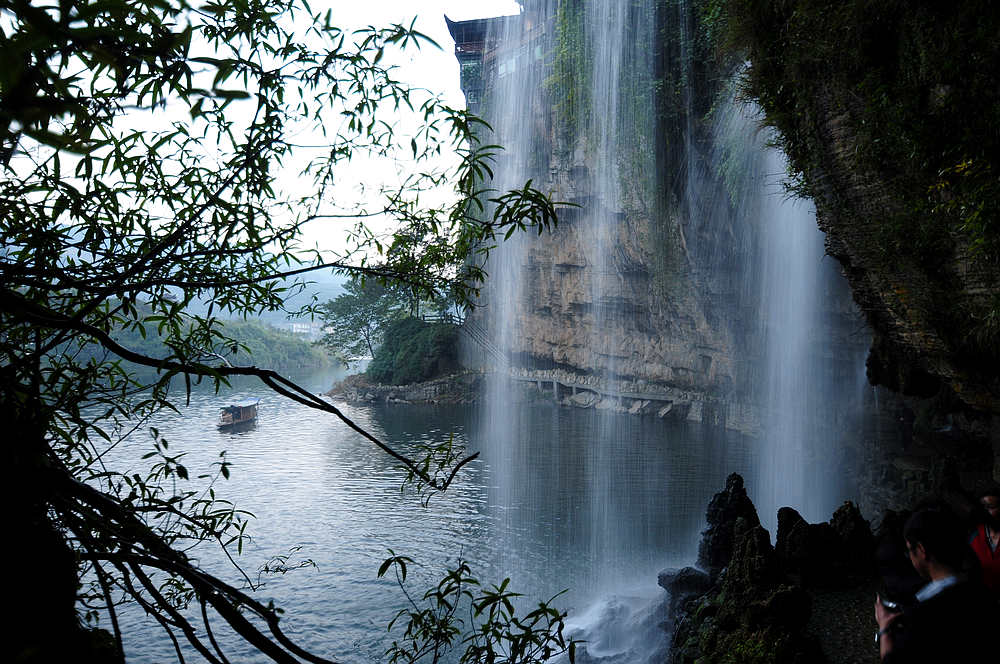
pixel 571 93
pixel 796 439
pixel 810 381
pixel 605 133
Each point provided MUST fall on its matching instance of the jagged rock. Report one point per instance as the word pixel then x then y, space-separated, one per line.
pixel 683 584
pixel 753 564
pixel 750 613
pixel 684 580
pixel 833 554
pixel 807 551
pixel 857 542
pixel 724 511
pixel 584 399
pixel 788 607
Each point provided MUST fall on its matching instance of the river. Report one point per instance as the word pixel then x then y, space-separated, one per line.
pixel 572 503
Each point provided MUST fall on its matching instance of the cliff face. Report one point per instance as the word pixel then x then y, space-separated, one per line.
pixel 659 280
pixel 649 319
pixel 896 139
pixel 924 316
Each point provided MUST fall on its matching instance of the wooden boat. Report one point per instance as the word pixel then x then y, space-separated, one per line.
pixel 237 415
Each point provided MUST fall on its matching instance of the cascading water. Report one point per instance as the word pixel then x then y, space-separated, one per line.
pixel 590 65
pixel 516 106
pixel 799 426
pixel 810 381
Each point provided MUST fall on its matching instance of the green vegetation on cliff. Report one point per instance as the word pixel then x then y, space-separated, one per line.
pixel 572 62
pixel 888 113
pixel 414 350
pixel 919 84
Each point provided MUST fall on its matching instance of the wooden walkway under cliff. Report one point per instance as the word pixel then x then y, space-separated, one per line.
pixel 636 397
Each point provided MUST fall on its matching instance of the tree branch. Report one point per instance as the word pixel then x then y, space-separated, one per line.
pixel 43 316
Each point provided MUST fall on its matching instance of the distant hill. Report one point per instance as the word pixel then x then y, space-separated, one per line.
pixel 270 347
pixel 325 286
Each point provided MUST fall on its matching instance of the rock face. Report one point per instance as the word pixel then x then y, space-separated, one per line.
pixel 754 603
pixel 830 554
pixel 659 324
pixel 729 513
pixel 896 141
pixel 912 350
pixel 658 280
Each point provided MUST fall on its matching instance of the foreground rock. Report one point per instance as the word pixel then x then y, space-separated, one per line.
pixel 753 603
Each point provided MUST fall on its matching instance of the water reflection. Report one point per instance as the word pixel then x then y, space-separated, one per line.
pixel 528 511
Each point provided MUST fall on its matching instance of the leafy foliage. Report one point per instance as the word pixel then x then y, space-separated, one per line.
pixel 142 146
pixel 414 350
pixel 492 632
pixel 356 320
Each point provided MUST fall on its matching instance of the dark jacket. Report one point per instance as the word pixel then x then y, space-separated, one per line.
pixel 956 625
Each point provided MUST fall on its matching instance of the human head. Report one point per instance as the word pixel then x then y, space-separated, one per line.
pixel 934 537
pixel 989 498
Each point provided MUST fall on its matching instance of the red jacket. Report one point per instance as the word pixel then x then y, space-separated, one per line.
pixel 989 559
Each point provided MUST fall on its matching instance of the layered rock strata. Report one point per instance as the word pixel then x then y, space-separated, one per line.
pixel 673 303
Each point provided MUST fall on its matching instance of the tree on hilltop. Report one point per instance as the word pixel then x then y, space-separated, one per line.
pixel 142 146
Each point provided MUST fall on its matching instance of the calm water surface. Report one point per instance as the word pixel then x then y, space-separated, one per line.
pixel 579 501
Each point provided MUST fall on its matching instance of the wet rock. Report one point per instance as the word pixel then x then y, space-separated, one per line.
pixel 750 612
pixel 825 555
pixel 683 584
pixel 753 564
pixel 807 551
pixel 725 509
pixel 584 399
pixel 857 542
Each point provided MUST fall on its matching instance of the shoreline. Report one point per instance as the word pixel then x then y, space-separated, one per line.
pixel 456 388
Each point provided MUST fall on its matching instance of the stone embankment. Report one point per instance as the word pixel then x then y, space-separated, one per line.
pixel 458 388
pixel 640 397
pixel 634 397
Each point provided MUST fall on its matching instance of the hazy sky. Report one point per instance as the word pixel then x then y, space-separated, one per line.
pixel 431 68
pixel 436 69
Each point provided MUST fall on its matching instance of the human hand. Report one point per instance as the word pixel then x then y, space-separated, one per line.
pixel 883 615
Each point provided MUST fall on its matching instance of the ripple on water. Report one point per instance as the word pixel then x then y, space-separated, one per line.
pixel 575 506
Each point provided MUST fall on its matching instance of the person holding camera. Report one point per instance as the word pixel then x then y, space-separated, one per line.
pixel 954 616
